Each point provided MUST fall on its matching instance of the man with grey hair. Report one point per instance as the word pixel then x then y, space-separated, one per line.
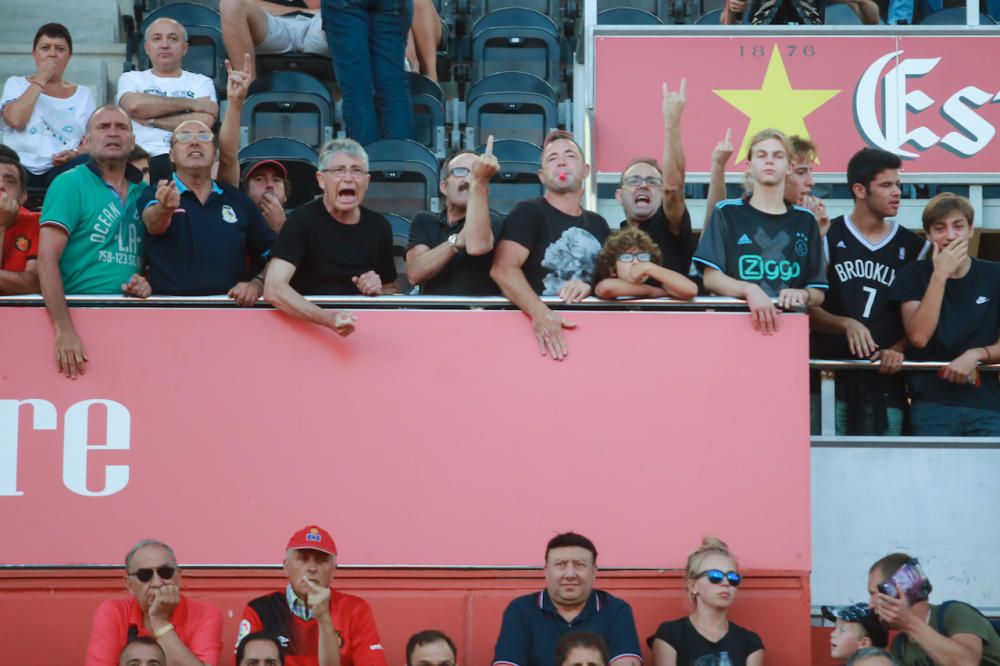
pixel 161 98
pixel 332 245
pixel 189 631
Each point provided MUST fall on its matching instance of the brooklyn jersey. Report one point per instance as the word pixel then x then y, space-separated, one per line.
pixel 860 274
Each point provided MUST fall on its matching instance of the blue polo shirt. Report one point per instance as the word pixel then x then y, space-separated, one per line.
pixel 532 626
pixel 206 248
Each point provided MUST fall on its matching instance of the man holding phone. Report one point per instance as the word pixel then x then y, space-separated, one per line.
pixel 952 633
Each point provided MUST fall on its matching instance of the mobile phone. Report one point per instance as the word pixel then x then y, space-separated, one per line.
pixel 909 579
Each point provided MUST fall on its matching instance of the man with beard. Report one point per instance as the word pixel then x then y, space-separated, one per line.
pixel 549 245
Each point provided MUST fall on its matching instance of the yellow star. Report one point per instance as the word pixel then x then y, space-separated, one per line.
pixel 776 104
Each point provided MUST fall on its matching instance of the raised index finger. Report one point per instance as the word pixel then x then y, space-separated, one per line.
pixel 683 87
pixel 729 134
pixel 489 145
pixel 229 66
pixel 246 62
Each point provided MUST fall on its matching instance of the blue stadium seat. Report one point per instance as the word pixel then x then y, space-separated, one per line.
pixel 404 177
pixel 287 104
pixel 517 179
pixel 400 239
pixel 516 40
pixel 713 17
pixel 840 14
pixel 510 105
pixel 953 16
pixel 428 113
pixel 206 52
pixel 652 6
pixel 548 7
pixel 627 16
pixel 299 159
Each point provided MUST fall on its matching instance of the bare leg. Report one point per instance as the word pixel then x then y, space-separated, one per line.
pixel 244 25
pixel 426 35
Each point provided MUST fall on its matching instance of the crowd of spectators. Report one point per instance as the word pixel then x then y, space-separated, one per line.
pixel 567 623
pixel 873 289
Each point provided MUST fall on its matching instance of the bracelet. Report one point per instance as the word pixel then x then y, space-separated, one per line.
pixel 163 631
pixel 989 357
pixel 36 83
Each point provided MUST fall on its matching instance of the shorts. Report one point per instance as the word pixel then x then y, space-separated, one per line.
pixel 296 33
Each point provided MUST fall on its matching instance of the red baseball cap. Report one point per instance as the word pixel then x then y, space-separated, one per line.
pixel 312 537
pixel 278 166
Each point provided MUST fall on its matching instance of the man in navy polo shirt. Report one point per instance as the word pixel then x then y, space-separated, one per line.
pixel 533 624
pixel 199 232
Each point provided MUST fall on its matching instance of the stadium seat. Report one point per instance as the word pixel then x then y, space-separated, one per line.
pixel 840 14
pixel 713 17
pixel 299 159
pixel 428 113
pixel 404 177
pixel 288 104
pixel 400 240
pixel 510 105
pixel 953 16
pixel 627 16
pixel 548 7
pixel 206 52
pixel 516 40
pixel 517 179
pixel 651 6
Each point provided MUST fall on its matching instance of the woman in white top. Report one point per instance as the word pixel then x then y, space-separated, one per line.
pixel 44 117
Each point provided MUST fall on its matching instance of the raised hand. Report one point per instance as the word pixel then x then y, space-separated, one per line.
pixel 723 150
pixel 673 103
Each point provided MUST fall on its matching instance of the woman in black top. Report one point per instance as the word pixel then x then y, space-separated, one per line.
pixel 701 638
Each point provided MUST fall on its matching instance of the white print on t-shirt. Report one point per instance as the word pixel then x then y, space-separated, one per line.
pixel 572 257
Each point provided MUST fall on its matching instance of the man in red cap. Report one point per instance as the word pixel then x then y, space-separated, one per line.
pixel 267 185
pixel 316 625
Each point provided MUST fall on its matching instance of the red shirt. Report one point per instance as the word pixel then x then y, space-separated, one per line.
pixel 352 617
pixel 20 242
pixel 198 624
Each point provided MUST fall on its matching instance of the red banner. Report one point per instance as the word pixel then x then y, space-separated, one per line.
pixel 930 99
pixel 428 437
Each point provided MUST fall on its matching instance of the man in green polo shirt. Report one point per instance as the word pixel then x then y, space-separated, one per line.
pixel 90 240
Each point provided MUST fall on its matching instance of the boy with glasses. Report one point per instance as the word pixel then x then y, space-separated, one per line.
pixel 189 631
pixel 653 201
pixel 451 252
pixel 629 265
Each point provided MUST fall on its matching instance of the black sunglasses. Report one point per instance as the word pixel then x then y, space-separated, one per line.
pixel 165 572
pixel 716 576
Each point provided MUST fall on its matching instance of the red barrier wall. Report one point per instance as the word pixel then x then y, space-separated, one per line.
pixel 465 604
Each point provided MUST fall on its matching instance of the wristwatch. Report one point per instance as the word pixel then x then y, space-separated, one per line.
pixel 453 242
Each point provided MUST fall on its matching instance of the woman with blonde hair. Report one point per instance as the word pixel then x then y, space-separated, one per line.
pixel 705 635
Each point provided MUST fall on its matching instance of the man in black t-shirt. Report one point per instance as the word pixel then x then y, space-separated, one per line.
pixel 864 252
pixel 549 245
pixel 332 245
pixel 951 312
pixel 761 248
pixel 654 201
pixel 451 252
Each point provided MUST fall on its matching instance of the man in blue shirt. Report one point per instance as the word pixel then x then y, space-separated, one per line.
pixel 200 232
pixel 533 624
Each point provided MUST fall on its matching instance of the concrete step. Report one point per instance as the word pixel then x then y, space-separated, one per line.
pixel 91 21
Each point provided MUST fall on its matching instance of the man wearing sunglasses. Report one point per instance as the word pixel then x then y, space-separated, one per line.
pixel 198 231
pixel 188 630
pixel 451 252
pixel 654 201
pixel 318 626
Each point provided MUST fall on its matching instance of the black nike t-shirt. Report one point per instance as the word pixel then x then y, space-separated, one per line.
pixel 970 318
pixel 561 247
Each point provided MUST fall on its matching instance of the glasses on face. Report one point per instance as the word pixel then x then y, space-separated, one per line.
pixel 459 172
pixel 716 576
pixel 185 137
pixel 165 572
pixel 341 172
pixel 636 181
pixel 629 257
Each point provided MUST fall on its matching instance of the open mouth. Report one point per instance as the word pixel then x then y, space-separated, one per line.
pixel 347 194
pixel 464 187
pixel 642 199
